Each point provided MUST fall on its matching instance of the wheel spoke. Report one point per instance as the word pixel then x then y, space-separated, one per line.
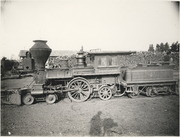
pixel 74 93
pixel 76 96
pixel 85 89
pixel 76 84
pixel 83 84
pixel 79 84
pixel 72 86
pixel 84 93
pixel 81 96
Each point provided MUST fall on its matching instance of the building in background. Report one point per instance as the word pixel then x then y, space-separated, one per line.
pixel 56 59
pixel 28 62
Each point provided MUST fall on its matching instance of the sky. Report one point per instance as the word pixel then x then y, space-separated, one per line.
pixel 117 25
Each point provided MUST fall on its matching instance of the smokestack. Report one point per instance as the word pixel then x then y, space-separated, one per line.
pixel 40 52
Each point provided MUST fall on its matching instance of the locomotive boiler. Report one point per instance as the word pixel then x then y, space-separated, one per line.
pixel 102 77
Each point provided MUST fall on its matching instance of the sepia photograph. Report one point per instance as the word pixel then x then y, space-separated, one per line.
pixel 90 67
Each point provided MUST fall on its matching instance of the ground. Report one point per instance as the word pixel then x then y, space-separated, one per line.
pixel 123 116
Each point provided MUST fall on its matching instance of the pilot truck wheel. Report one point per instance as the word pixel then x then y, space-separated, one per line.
pixel 28 99
pixel 105 93
pixel 51 98
pixel 81 88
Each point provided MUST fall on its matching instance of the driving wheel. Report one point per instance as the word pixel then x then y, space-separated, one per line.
pixel 81 90
pixel 105 93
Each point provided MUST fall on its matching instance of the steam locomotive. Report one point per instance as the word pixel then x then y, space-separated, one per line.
pixel 102 77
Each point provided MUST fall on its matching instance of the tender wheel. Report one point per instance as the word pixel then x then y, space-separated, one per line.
pixel 150 92
pixel 170 90
pixel 81 88
pixel 132 95
pixel 134 92
pixel 28 99
pixel 105 93
pixel 51 98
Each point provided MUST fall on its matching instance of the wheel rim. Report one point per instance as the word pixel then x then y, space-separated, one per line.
pixel 50 99
pixel 81 90
pixel 105 93
pixel 28 100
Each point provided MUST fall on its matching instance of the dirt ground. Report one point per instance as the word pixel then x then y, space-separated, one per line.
pixel 120 116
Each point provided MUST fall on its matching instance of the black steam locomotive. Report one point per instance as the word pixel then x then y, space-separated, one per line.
pixel 102 77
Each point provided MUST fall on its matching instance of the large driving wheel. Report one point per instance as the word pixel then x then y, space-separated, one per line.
pixel 81 88
pixel 28 99
pixel 105 93
pixel 51 98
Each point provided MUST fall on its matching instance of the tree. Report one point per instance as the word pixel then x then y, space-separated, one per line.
pixel 161 47
pixel 151 48
pixel 158 48
pixel 166 47
pixel 175 47
pixel 7 64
